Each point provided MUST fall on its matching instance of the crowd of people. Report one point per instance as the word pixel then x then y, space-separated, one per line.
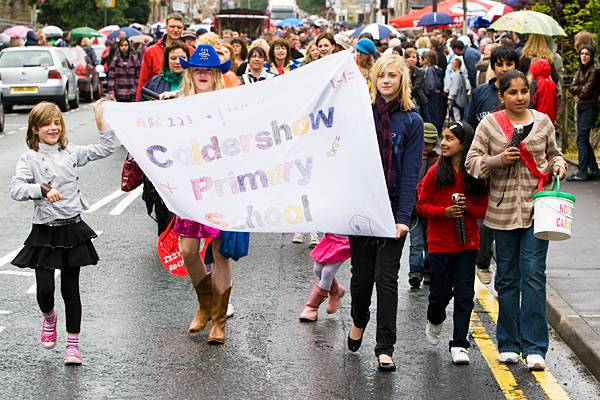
pixel 473 121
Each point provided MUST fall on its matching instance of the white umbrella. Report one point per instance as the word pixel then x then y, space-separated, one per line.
pixel 52 31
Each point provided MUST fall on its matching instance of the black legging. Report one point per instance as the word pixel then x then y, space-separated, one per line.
pixel 69 288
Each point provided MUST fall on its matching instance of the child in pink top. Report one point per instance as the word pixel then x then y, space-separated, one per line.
pixel 329 254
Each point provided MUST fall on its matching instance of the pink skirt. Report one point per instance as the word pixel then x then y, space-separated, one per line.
pixel 193 229
pixel 331 249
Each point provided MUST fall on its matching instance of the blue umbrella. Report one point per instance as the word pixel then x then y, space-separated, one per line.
pixel 290 22
pixel 129 32
pixel 478 22
pixel 379 31
pixel 435 18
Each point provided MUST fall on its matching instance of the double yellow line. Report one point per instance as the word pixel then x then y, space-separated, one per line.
pixel 506 380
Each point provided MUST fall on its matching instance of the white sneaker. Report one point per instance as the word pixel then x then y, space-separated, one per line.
pixel 508 357
pixel 460 355
pixel 433 333
pixel 314 239
pixel 298 238
pixel 535 362
pixel 230 310
pixel 484 275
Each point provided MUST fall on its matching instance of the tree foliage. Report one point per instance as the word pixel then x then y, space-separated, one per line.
pixel 69 14
pixel 311 6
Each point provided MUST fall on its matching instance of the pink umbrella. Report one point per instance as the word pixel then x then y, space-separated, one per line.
pixel 17 31
pixel 107 30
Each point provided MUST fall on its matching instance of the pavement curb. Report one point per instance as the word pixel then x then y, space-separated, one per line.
pixel 574 331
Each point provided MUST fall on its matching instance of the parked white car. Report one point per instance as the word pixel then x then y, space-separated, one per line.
pixel 29 75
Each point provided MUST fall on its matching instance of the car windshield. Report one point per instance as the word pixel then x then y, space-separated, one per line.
pixel 25 58
pixel 74 55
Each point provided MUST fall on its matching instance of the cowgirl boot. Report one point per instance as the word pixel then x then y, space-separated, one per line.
pixel 219 316
pixel 336 293
pixel 204 293
pixel 311 308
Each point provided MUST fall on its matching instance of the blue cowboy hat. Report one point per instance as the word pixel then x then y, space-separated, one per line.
pixel 205 57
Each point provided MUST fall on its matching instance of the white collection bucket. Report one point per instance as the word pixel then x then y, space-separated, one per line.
pixel 553 213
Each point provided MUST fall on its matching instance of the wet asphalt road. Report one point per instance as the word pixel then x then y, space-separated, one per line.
pixel 134 331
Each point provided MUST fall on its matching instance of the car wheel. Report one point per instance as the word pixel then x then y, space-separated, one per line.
pixel 88 96
pixel 1 117
pixel 63 103
pixel 75 102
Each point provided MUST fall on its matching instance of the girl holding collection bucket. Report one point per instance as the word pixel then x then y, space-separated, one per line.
pixel 515 150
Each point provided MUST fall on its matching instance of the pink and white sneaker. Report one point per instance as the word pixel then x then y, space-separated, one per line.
pixel 49 335
pixel 73 356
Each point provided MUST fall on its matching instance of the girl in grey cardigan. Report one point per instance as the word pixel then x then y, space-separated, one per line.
pixel 48 174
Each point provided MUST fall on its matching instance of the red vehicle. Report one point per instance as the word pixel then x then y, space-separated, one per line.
pixel 88 80
pixel 252 22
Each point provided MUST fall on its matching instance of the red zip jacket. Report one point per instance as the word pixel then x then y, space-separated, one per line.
pixel 152 63
pixel 441 230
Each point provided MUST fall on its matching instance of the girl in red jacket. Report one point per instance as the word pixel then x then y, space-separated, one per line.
pixel 543 92
pixel 452 201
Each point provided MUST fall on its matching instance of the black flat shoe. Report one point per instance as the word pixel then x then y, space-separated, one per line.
pixel 354 345
pixel 386 366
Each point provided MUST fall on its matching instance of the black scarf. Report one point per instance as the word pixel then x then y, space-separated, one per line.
pixel 384 135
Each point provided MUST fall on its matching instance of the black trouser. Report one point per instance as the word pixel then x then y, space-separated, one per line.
pixel 486 247
pixel 163 216
pixel 376 261
pixel 452 274
pixel 69 288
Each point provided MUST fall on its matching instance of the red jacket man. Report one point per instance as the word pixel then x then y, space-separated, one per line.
pixel 152 62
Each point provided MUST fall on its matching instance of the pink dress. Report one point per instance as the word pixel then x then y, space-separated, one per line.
pixel 193 229
pixel 331 249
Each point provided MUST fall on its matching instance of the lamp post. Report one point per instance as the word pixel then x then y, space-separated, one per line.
pixel 464 27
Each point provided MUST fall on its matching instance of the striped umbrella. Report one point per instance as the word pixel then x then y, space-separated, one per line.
pixel 379 31
pixel 528 22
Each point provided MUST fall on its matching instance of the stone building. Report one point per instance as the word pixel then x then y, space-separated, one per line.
pixel 13 12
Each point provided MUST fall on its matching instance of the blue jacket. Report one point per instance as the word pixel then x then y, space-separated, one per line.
pixel 483 101
pixel 407 139
pixel 472 57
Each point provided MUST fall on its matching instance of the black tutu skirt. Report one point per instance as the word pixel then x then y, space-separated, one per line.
pixel 58 247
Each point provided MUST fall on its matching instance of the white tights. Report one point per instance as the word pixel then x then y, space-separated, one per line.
pixel 326 273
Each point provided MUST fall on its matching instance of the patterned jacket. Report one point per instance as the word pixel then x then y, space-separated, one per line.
pixel 123 76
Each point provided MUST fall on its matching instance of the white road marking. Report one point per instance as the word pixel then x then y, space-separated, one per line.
pixel 22 128
pixel 126 202
pixel 1 329
pixel 102 202
pixel 11 132
pixel 18 273
pixel 5 312
pixel 8 258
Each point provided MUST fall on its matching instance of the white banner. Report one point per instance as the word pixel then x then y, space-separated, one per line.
pixel 297 153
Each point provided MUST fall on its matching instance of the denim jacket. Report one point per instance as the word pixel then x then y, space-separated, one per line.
pixel 59 169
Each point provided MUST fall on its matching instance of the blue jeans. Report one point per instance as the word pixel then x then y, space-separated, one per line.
pixel 586 119
pixel 418 259
pixel 521 285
